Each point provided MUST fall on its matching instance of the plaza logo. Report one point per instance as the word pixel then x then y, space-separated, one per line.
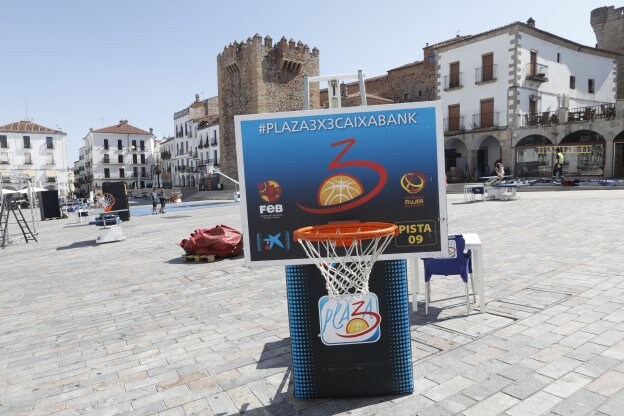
pixel 347 319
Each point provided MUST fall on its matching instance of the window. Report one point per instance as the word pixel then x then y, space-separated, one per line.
pixel 119 146
pixel 134 159
pixel 120 158
pixel 487 113
pixel 49 142
pixel 533 64
pixel 453 118
pixel 135 172
pixel 133 145
pixel 3 142
pixel 122 173
pixel 105 144
pixel 591 86
pixel 487 64
pixel 143 171
pixel 454 78
pixel 142 158
pixel 106 158
pixel 572 82
pixel 50 159
pixel 26 142
pixel 27 159
pixel 142 145
pixel 106 172
pixel 558 57
pixel 4 158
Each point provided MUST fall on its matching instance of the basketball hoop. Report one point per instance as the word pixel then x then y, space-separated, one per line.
pixel 106 201
pixel 346 252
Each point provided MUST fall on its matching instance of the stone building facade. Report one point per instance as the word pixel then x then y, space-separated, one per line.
pixel 258 77
pixel 608 25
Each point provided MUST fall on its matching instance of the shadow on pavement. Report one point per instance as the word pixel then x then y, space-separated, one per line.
pixel 78 244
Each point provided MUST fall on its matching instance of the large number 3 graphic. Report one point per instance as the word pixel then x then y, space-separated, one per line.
pixel 338 163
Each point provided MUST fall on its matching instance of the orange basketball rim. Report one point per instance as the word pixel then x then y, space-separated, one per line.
pixel 345 233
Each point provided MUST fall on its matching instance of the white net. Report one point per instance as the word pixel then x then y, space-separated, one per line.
pixel 346 268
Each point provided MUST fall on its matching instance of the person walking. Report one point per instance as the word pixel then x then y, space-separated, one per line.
pixel 558 165
pixel 154 201
pixel 163 200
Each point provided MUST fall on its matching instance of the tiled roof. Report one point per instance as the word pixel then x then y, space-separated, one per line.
pixel 524 26
pixel 450 41
pixel 406 65
pixel 122 128
pixel 27 127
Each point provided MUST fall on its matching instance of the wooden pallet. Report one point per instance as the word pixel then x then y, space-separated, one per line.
pixel 199 257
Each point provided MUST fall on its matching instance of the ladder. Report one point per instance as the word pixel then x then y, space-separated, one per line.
pixel 6 209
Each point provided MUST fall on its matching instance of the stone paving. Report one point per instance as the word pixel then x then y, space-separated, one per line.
pixel 128 328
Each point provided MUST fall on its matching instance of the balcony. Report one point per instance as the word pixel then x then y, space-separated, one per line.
pixel 485 120
pixel 485 74
pixel 213 142
pixel 537 73
pixel 165 155
pixel 454 81
pixel 545 118
pixel 454 124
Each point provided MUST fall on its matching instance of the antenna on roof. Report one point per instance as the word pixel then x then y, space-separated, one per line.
pixel 26 106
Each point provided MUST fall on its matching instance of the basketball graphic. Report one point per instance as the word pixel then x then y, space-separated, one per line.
pixel 338 189
pixel 270 191
pixel 356 325
pixel 413 182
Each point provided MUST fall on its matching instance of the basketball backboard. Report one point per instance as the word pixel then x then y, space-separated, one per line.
pixel 381 163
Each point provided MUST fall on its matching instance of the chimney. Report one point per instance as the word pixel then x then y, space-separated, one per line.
pixel 151 130
pixel 196 98
pixel 531 22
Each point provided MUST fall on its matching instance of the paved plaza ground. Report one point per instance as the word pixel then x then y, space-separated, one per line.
pixel 129 328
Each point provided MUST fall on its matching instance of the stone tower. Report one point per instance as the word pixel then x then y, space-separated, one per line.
pixel 257 77
pixel 608 25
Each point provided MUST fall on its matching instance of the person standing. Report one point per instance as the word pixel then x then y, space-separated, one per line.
pixel 499 168
pixel 163 200
pixel 154 201
pixel 558 165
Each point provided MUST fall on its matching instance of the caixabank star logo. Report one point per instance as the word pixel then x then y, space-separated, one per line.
pixel 413 183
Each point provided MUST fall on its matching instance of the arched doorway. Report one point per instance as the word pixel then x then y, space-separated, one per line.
pixel 531 159
pixel 488 152
pixel 618 155
pixel 584 153
pixel 455 160
pixel 192 181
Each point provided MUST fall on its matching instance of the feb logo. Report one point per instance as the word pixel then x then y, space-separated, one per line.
pixel 412 182
pixel 347 319
pixel 270 191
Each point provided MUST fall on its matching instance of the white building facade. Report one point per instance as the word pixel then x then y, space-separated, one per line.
pixel 499 86
pixel 119 153
pixel 29 151
pixel 195 149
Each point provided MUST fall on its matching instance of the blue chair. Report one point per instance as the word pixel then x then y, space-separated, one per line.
pixel 458 262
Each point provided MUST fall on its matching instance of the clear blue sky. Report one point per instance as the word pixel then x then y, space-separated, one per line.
pixel 75 64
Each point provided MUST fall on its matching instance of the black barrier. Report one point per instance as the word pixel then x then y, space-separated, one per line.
pixel 379 363
pixel 49 205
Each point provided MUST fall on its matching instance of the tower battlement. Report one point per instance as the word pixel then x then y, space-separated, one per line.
pixel 258 76
pixel 291 55
pixel 608 24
